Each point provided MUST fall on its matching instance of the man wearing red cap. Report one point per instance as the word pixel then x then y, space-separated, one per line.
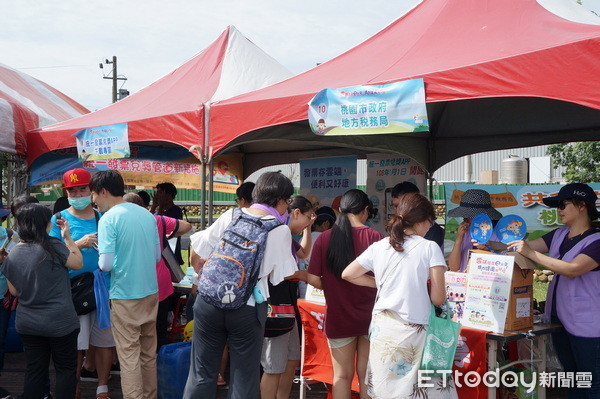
pixel 83 221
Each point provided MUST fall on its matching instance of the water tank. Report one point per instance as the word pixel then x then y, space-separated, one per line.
pixel 514 170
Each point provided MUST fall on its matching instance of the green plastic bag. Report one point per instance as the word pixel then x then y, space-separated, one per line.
pixel 440 343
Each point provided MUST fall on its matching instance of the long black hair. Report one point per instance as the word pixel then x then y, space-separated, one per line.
pixel 341 245
pixel 21 200
pixel 32 222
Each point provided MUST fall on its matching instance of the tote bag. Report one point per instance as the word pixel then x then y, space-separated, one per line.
pixel 440 343
pixel 168 256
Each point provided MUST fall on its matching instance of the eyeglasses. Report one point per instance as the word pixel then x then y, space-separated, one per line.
pixel 563 204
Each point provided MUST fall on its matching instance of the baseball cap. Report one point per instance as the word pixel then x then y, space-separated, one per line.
pixel 76 177
pixel 325 213
pixel 573 190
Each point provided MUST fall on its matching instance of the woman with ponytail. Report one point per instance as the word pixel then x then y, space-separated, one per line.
pixel 349 307
pixel 401 265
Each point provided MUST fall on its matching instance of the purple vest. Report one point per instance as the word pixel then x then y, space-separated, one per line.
pixel 577 298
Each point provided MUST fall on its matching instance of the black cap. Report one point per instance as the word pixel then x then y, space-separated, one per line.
pixel 573 190
pixel 325 213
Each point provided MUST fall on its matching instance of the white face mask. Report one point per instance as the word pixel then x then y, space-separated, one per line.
pixel 80 203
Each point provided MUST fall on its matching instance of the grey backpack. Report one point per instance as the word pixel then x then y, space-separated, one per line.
pixel 230 273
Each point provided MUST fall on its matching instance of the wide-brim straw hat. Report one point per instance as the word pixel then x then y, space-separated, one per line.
pixel 474 202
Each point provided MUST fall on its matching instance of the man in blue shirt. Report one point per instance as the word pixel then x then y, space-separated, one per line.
pixel 129 248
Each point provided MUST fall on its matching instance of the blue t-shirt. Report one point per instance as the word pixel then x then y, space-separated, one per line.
pixel 3 283
pixel 129 232
pixel 79 228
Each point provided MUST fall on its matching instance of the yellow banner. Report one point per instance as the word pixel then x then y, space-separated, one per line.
pixel 186 173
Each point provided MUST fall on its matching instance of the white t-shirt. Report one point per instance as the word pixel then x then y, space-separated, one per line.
pixel 278 261
pixel 401 277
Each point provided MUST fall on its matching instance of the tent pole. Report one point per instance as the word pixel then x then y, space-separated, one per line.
pixel 203 194
pixel 205 160
pixel 430 185
pixel 210 191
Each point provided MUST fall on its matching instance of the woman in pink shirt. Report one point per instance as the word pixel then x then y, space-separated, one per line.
pixel 167 227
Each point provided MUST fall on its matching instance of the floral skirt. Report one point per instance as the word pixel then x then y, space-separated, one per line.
pixel 394 359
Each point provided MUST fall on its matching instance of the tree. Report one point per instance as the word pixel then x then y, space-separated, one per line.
pixel 581 159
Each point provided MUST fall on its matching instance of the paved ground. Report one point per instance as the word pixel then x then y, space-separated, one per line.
pixel 14 373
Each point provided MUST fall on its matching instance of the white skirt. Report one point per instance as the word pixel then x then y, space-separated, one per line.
pixel 394 359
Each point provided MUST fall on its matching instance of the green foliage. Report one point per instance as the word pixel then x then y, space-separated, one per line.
pixel 540 290
pixel 581 160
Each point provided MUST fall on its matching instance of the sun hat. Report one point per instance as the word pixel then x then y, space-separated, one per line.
pixel 573 190
pixel 76 177
pixel 474 202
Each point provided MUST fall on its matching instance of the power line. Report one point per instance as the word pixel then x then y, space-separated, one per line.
pixel 54 66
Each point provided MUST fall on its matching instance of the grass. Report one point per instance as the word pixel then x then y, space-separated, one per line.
pixel 540 290
pixel 185 256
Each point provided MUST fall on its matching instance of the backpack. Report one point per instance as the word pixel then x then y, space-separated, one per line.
pixel 281 311
pixel 231 271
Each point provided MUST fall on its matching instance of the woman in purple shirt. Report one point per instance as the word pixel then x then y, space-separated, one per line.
pixel 573 295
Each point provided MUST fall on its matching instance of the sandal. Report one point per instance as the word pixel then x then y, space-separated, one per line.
pixel 221 381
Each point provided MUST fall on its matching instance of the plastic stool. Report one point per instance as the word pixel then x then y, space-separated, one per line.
pixel 176 326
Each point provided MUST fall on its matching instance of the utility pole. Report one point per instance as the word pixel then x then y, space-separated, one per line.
pixel 114 77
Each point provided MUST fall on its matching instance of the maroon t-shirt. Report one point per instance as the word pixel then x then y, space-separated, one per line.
pixel 349 306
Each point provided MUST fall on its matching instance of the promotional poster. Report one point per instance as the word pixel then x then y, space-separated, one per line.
pixel 324 179
pixel 384 171
pixel 397 107
pixel 488 291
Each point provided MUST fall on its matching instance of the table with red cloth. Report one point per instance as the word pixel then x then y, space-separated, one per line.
pixel 316 359
pixel 475 349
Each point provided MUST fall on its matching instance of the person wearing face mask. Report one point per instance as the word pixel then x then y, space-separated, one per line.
pixel 83 221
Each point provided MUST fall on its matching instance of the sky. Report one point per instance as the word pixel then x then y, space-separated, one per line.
pixel 62 42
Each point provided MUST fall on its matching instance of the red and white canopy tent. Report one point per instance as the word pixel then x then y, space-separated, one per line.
pixel 172 110
pixel 26 104
pixel 498 74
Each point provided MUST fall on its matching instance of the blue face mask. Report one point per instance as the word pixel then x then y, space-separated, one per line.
pixel 80 202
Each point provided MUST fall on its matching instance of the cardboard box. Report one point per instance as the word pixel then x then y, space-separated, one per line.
pixel 488 177
pixel 520 304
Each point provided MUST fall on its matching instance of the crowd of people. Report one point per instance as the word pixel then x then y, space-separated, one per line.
pixel 250 267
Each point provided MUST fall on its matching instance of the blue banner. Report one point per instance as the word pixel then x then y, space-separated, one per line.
pixel 379 109
pixel 522 200
pixel 103 142
pixel 324 179
pixel 153 160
